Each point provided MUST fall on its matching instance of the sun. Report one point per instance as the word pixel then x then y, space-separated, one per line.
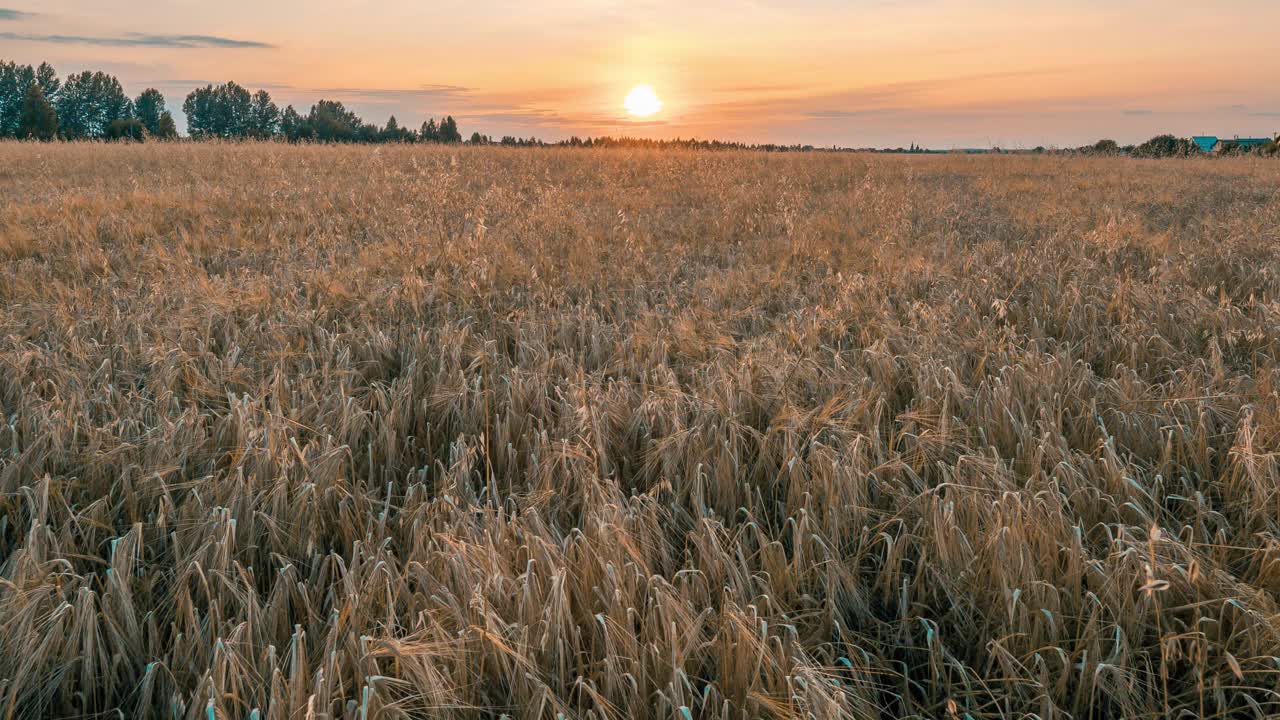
pixel 642 101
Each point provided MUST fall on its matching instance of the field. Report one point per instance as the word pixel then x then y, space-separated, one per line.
pixel 309 432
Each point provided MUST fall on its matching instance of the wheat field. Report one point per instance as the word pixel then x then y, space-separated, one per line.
pixel 415 432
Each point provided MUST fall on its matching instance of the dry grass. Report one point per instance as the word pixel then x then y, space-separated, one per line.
pixel 417 432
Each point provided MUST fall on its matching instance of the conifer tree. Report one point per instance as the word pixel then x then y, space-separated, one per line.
pixel 38 120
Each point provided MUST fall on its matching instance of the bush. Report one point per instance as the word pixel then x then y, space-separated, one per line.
pixel 127 129
pixel 168 130
pixel 1162 146
pixel 1102 147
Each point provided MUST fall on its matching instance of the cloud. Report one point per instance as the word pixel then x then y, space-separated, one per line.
pixel 1249 110
pixel 138 40
pixel 422 92
pixel 766 88
pixel 846 114
pixel 549 121
pixel 1138 112
pixel 7 14
pixel 882 98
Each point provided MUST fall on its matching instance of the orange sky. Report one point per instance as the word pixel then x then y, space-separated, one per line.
pixel 943 73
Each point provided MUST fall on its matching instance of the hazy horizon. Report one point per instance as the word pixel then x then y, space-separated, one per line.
pixel 939 73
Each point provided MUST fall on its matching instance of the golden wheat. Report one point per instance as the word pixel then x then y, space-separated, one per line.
pixel 307 432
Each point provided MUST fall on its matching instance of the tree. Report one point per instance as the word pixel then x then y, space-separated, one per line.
pixel 15 79
pixel 148 108
pixel 293 126
pixel 15 83
pixel 88 103
pixel 449 131
pixel 47 77
pixel 38 120
pixel 234 107
pixel 225 111
pixel 393 133
pixel 126 129
pixel 331 121
pixel 429 132
pixel 200 111
pixel 168 129
pixel 368 133
pixel 477 139
pixel 200 108
pixel 264 116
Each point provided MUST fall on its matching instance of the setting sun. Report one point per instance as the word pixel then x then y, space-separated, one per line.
pixel 642 101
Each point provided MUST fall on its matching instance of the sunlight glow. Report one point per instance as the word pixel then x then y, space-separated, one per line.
pixel 642 101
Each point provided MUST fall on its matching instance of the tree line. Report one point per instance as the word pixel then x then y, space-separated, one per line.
pixel 36 104
pixel 231 112
pixel 1166 146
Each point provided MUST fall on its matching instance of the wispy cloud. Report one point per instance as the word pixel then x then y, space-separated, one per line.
pixel 878 99
pixel 516 116
pixel 526 109
pixel 766 87
pixel 845 114
pixel 1138 112
pixel 138 40
pixel 422 92
pixel 8 14
pixel 1249 110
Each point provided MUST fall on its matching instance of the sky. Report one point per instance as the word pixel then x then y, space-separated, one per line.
pixel 857 73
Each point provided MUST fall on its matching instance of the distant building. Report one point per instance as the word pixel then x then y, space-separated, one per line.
pixel 1215 144
pixel 1242 143
pixel 1206 143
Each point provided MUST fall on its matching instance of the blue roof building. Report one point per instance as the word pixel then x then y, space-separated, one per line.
pixel 1244 143
pixel 1214 144
pixel 1206 143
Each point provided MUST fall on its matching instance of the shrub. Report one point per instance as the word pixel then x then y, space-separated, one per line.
pixel 127 129
pixel 1164 146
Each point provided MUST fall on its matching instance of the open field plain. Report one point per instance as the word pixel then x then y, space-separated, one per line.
pixel 340 432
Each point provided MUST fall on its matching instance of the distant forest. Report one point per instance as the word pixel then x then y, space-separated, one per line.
pixel 35 104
